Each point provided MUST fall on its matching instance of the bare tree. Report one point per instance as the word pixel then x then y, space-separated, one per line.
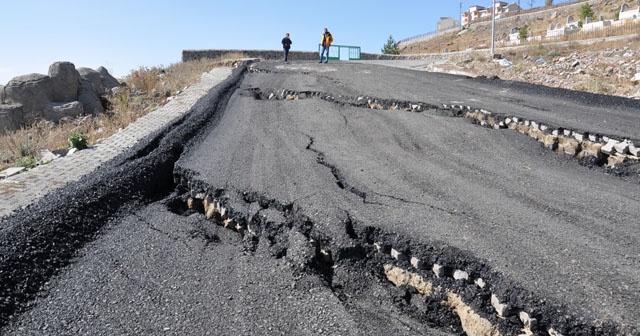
pixel 531 3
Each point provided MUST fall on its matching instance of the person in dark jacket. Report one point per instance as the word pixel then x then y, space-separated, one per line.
pixel 286 45
pixel 325 42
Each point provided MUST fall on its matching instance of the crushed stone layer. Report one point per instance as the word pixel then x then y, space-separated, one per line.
pixel 20 190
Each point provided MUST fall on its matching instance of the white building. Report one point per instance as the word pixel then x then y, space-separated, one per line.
pixel 476 12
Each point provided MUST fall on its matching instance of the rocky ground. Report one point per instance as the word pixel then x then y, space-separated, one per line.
pixel 609 71
pixel 607 64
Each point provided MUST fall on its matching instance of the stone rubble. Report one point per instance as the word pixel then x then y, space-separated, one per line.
pixel 565 141
pixel 609 71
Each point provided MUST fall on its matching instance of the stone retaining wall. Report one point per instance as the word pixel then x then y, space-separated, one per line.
pixel 193 55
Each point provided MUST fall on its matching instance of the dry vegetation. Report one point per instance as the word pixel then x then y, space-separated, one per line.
pixel 146 89
pixel 605 66
pixel 537 20
pixel 602 67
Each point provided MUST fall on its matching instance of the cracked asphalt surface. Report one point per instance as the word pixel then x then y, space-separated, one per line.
pixel 558 231
pixel 154 272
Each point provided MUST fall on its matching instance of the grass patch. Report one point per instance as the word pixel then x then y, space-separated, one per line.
pixel 147 89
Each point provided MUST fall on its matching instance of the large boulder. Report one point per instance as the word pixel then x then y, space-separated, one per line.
pixel 108 82
pixel 33 91
pixel 65 79
pixel 11 117
pixel 88 97
pixel 94 78
pixel 56 111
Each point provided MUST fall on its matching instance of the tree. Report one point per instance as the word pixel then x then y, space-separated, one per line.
pixel 391 47
pixel 586 11
pixel 531 2
pixel 523 33
pixel 548 3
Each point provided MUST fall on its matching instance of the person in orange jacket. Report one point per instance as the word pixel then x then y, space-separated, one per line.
pixel 326 41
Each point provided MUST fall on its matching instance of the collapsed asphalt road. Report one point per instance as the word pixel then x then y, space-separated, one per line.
pixel 301 217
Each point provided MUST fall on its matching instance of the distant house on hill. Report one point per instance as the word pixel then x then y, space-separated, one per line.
pixel 501 8
pixel 473 14
pixel 476 12
pixel 447 23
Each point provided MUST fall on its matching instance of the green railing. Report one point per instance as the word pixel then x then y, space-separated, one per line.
pixel 350 52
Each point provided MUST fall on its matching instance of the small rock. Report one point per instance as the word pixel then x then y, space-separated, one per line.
pixel 398 255
pixel 438 270
pixel 460 275
pixel 527 320
pixel 502 309
pixel 47 156
pixel 417 263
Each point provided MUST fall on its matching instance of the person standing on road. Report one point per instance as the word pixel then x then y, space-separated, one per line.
pixel 326 41
pixel 286 45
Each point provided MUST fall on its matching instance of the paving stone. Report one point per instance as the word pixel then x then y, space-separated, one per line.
pixel 11 171
pixel 622 147
pixel 610 146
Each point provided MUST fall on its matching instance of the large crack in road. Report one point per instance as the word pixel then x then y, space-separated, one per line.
pixel 382 275
pixel 442 286
pixel 37 242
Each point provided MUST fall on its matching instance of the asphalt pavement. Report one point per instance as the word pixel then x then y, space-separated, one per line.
pixel 560 230
pixel 320 193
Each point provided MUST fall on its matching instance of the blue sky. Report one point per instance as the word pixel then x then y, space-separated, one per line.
pixel 123 35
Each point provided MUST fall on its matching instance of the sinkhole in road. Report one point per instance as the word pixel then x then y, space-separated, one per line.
pixel 619 157
pixel 429 281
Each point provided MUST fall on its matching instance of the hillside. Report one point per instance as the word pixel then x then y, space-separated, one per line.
pixel 601 65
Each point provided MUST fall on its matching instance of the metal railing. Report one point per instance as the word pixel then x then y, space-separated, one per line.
pixel 417 37
pixel 353 52
pixel 618 28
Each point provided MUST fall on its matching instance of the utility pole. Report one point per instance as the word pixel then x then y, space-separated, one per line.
pixel 493 29
pixel 460 17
